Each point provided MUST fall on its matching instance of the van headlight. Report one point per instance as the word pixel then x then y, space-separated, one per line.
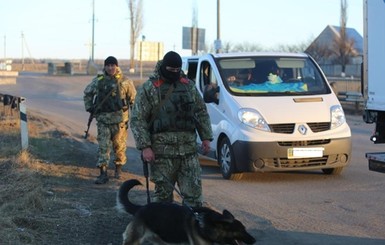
pixel 337 116
pixel 253 118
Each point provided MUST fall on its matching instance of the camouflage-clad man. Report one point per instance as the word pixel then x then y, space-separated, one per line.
pixel 108 97
pixel 166 115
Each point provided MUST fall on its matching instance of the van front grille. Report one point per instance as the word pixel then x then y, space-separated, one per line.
pixel 298 163
pixel 285 163
pixel 304 143
pixel 288 128
pixel 319 127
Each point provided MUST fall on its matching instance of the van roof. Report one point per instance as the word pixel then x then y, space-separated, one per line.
pixel 247 54
pixel 243 54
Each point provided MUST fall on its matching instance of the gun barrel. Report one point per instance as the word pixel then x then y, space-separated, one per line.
pixel 88 125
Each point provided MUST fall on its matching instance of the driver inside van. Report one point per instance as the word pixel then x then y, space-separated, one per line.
pixel 241 78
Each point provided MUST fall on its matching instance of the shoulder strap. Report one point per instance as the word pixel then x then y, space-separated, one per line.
pixel 104 99
pixel 161 103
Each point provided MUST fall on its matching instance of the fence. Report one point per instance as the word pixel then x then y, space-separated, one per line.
pixel 336 70
pixel 348 90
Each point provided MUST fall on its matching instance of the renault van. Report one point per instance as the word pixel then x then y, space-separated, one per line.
pixel 271 112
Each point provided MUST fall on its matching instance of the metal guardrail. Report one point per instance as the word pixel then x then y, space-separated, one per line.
pixel 15 102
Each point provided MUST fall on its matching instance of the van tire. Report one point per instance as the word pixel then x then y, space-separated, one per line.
pixel 332 171
pixel 226 159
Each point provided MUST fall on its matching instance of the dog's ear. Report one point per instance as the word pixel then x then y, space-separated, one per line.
pixel 227 216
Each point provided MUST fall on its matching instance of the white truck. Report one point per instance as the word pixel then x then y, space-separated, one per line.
pixel 373 82
pixel 271 112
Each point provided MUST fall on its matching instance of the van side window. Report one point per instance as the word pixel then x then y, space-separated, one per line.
pixel 205 74
pixel 192 71
pixel 208 84
pixel 213 78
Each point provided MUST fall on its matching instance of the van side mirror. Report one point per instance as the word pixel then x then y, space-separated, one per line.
pixel 211 94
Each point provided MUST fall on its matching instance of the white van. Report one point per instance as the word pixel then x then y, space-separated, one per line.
pixel 271 112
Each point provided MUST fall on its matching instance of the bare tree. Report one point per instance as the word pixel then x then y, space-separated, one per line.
pixel 343 47
pixel 246 47
pixel 299 47
pixel 319 52
pixel 135 8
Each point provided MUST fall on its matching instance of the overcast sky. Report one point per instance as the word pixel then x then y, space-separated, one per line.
pixel 63 29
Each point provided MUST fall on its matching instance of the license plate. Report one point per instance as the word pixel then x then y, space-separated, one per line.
pixel 305 152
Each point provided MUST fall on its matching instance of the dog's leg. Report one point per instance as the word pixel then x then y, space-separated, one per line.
pixel 132 235
pixel 137 233
pixel 154 239
pixel 193 234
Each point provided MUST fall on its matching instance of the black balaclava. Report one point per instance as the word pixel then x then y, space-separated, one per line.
pixel 173 60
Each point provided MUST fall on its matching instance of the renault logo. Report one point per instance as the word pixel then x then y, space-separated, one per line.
pixel 302 129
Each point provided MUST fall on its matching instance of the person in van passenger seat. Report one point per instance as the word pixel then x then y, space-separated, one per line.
pixel 263 69
pixel 243 77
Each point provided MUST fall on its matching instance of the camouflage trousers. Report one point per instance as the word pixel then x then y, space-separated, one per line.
pixel 112 136
pixel 185 171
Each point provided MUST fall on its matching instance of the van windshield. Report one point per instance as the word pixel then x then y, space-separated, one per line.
pixel 253 76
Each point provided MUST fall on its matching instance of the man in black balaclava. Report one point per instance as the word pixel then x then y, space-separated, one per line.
pixel 170 68
pixel 167 115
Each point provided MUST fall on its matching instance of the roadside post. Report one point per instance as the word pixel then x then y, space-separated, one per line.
pixel 23 123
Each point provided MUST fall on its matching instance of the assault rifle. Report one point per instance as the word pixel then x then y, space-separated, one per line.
pixel 92 115
pixel 89 124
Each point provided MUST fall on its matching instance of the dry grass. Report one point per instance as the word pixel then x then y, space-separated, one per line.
pixel 47 194
pixel 23 196
pixel 21 190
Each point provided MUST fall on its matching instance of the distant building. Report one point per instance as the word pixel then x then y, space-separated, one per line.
pixel 324 50
pixel 149 51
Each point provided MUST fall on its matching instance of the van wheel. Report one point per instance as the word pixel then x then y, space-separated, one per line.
pixel 332 171
pixel 226 158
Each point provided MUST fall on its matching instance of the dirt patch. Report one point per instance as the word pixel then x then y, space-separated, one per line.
pixel 48 195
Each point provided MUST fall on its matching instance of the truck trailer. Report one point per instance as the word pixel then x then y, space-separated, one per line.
pixel 373 79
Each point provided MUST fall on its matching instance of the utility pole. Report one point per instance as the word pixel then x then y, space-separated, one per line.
pixel 141 55
pixel 194 30
pixel 24 44
pixel 218 44
pixel 5 48
pixel 22 51
pixel 93 30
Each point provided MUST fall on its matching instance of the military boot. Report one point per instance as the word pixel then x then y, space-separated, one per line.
pixel 103 177
pixel 118 171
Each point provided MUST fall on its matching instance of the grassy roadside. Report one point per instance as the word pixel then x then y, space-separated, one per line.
pixel 22 190
pixel 47 195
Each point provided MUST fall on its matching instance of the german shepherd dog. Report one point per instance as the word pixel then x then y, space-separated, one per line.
pixel 170 223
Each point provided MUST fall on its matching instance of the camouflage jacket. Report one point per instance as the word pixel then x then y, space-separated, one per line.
pixel 169 143
pixel 127 94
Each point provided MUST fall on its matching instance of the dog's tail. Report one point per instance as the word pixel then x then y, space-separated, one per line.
pixel 123 202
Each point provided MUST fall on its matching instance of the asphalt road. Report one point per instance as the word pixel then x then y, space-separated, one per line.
pixel 277 208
